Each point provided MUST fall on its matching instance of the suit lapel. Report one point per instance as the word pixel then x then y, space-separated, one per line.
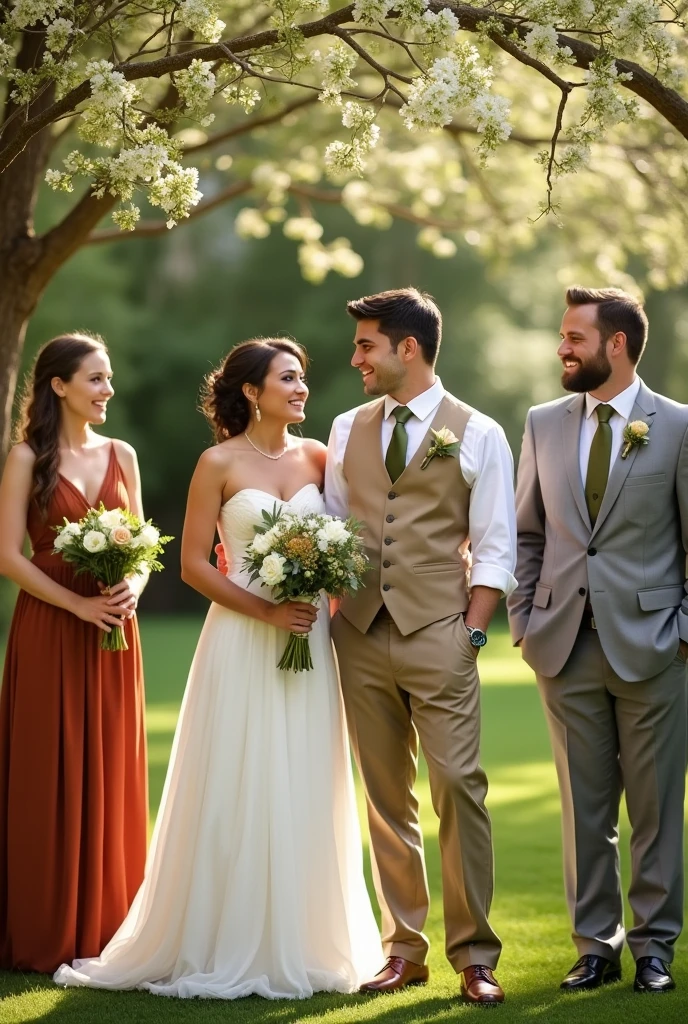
pixel 571 428
pixel 644 409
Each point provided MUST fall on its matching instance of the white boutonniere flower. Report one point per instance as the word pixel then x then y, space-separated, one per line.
pixel 445 445
pixel 634 435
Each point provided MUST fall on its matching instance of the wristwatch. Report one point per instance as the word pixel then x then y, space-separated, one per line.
pixel 477 636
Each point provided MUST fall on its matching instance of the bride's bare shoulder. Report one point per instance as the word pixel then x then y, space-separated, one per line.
pixel 315 451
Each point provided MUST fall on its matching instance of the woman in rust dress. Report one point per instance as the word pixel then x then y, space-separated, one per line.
pixel 73 796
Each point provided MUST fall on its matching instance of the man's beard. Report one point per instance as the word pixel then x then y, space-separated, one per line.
pixel 589 376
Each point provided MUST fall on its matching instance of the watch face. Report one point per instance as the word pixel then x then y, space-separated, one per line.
pixel 478 638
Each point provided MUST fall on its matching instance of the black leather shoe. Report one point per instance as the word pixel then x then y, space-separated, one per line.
pixel 590 972
pixel 652 975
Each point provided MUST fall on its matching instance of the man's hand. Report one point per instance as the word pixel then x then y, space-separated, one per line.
pixel 683 650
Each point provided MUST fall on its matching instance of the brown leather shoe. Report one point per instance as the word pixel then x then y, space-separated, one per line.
pixel 479 985
pixel 396 974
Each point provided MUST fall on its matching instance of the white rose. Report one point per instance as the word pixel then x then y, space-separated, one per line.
pixel 148 537
pixel 72 529
pixel 95 541
pixel 111 520
pixel 261 543
pixel 334 532
pixel 272 570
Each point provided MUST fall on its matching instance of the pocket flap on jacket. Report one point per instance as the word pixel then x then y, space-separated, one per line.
pixel 421 567
pixel 661 597
pixel 543 594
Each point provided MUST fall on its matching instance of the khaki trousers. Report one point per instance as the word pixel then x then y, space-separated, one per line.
pixel 398 688
pixel 609 735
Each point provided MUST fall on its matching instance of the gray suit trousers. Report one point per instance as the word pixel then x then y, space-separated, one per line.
pixel 609 735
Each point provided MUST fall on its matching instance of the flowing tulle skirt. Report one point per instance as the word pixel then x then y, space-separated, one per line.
pixel 254 881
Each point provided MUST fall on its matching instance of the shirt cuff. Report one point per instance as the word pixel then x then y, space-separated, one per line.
pixel 485 575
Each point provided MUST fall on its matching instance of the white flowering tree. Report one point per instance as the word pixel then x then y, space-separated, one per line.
pixel 391 108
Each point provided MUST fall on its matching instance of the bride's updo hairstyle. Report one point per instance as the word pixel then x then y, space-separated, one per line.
pixel 223 403
pixel 40 415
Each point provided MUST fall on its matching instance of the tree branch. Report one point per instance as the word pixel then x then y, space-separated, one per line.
pixel 251 124
pixel 150 228
pixel 157 69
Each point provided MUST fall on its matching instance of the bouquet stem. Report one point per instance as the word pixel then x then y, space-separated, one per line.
pixel 297 654
pixel 114 640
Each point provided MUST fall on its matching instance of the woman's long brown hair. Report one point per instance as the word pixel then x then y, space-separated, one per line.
pixel 40 416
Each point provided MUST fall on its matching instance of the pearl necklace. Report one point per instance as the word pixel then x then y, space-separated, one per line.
pixel 265 454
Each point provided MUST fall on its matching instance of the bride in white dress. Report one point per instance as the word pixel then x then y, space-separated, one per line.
pixel 254 882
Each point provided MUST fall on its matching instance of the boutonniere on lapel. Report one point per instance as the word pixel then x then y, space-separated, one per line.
pixel 635 435
pixel 445 445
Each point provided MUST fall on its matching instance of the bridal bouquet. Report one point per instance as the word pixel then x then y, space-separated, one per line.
pixel 300 556
pixel 110 544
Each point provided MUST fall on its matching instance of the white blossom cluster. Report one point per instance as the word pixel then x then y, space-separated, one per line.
pixel 196 86
pixel 338 63
pixel 542 42
pixel 455 81
pixel 6 56
pixel 410 11
pixel 371 11
pixel 441 28
pixel 317 260
pixel 175 192
pixel 112 99
pixel 303 229
pixel 28 12
pixel 201 17
pixel 241 96
pixel 58 33
pixel 605 105
pixel 250 223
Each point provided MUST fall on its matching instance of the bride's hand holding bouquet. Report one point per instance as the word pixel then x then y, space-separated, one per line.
pixel 298 557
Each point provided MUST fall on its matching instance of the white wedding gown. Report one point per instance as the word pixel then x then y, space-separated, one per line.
pixel 254 882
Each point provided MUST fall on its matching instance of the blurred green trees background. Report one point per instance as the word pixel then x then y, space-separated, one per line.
pixel 171 306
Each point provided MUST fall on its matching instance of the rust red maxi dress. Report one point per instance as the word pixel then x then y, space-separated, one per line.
pixel 73 782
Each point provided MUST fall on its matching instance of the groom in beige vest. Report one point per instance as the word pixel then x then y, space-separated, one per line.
pixel 601 614
pixel 407 643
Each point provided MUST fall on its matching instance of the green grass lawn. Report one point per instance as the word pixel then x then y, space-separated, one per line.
pixel 528 911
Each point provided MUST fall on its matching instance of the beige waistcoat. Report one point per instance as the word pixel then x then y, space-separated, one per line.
pixel 413 529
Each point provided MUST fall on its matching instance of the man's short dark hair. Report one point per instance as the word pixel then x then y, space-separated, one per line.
pixel 616 311
pixel 403 313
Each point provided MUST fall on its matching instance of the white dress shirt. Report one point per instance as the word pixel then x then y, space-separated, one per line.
pixel 487 467
pixel 623 407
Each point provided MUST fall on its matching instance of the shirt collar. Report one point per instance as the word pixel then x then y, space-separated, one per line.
pixel 422 405
pixel 621 404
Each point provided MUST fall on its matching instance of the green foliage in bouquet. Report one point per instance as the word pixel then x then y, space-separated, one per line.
pixel 300 556
pixel 111 544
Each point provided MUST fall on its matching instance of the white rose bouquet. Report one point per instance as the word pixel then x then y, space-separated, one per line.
pixel 300 556
pixel 111 544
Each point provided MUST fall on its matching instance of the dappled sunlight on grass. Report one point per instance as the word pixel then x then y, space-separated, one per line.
pixel 528 910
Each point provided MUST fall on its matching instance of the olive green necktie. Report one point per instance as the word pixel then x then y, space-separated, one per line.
pixel 598 466
pixel 395 459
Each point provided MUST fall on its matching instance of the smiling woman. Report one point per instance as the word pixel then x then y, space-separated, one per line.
pixel 73 799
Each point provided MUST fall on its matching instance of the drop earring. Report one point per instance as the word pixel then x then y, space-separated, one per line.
pixel 258 416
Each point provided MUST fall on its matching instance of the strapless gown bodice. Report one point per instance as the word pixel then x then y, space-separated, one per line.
pixel 242 513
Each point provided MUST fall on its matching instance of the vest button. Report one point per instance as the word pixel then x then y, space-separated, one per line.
pixel 388 540
pixel 386 564
pixel 582 591
pixel 386 586
pixel 592 551
pixel 390 519
pixel 392 495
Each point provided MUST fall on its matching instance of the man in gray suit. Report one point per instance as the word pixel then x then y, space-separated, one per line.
pixel 601 615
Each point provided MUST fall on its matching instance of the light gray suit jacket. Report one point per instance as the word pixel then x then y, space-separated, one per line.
pixel 631 566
